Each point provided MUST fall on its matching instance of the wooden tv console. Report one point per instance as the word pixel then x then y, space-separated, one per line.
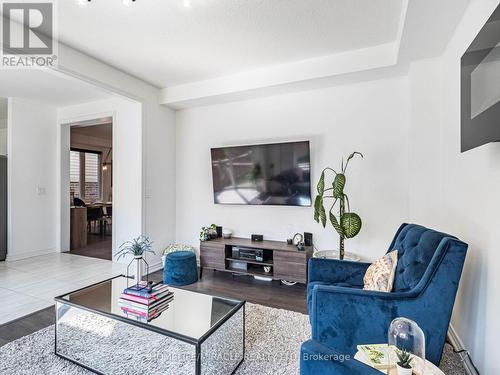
pixel 286 261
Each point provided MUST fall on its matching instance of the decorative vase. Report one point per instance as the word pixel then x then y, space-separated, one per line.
pixel 226 233
pixel 404 371
pixel 138 269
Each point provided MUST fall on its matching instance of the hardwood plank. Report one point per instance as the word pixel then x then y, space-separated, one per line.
pixel 268 293
pixel 26 325
pixel 97 247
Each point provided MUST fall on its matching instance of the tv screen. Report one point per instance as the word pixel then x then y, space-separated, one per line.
pixel 480 92
pixel 270 174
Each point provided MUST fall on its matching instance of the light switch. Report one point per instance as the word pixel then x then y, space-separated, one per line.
pixel 40 190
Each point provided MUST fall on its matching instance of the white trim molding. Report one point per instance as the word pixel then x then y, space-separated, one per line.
pixel 29 254
pixel 287 77
pixel 156 266
pixel 458 346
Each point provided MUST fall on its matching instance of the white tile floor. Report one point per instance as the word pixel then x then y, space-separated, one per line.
pixel 31 284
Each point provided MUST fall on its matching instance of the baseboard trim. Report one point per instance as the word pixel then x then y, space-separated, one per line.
pixel 153 267
pixel 29 254
pixel 458 345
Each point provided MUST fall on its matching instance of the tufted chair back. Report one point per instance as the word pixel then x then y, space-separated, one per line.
pixel 416 246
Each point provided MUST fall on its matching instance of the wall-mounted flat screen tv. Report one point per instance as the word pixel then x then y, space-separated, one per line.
pixel 480 91
pixel 267 174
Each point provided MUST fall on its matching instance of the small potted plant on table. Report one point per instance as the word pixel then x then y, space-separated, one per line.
pixel 404 362
pixel 136 248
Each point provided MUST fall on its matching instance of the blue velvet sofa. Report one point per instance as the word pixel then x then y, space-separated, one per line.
pixel 343 315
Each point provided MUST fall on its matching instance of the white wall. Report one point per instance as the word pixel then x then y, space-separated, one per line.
pixel 458 192
pixel 3 126
pixel 3 140
pixel 425 162
pixel 370 117
pixel 158 137
pixel 127 167
pixel 471 183
pixel 159 175
pixel 32 184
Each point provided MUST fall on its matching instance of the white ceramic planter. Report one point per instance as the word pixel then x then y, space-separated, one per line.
pixel 334 254
pixel 404 371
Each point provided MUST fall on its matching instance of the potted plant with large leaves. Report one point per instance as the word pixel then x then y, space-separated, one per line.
pixel 347 224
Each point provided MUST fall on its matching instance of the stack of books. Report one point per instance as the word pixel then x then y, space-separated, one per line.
pixel 143 302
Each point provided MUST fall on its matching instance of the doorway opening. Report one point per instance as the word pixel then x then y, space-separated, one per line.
pixel 91 188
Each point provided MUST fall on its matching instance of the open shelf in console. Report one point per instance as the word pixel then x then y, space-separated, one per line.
pixel 265 263
pixel 251 271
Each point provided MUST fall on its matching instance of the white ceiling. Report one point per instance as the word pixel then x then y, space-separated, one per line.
pixel 165 43
pixel 429 26
pixel 48 87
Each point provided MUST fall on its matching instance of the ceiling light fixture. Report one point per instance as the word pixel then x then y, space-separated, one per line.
pixel 106 163
pixel 187 3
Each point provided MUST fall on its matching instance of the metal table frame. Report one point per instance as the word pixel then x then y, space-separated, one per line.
pixel 196 342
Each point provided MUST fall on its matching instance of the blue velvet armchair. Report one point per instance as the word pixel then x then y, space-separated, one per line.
pixel 343 315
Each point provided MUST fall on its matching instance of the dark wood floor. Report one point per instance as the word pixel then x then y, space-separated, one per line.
pixel 266 293
pixel 26 325
pixel 220 284
pixel 97 247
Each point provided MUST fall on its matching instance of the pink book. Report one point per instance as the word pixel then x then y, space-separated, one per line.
pixel 141 300
pixel 134 312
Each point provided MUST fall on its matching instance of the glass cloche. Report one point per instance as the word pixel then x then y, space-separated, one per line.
pixel 407 339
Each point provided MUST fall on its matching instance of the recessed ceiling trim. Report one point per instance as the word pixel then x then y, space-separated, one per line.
pixel 401 25
pixel 286 74
pixel 292 75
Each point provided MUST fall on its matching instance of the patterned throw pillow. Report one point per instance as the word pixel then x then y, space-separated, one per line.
pixel 380 275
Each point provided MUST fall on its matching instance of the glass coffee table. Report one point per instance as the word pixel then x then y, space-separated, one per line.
pixel 197 334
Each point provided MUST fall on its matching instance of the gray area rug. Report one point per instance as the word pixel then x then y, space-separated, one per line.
pixel 273 339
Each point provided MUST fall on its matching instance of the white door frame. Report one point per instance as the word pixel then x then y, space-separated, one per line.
pixel 62 175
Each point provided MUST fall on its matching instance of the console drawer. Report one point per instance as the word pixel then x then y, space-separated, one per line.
pixel 212 257
pixel 290 266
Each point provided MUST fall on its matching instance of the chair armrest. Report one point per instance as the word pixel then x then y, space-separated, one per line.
pixel 346 317
pixel 336 271
pixel 317 359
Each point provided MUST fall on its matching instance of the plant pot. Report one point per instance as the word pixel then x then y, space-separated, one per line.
pixel 334 254
pixel 404 371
